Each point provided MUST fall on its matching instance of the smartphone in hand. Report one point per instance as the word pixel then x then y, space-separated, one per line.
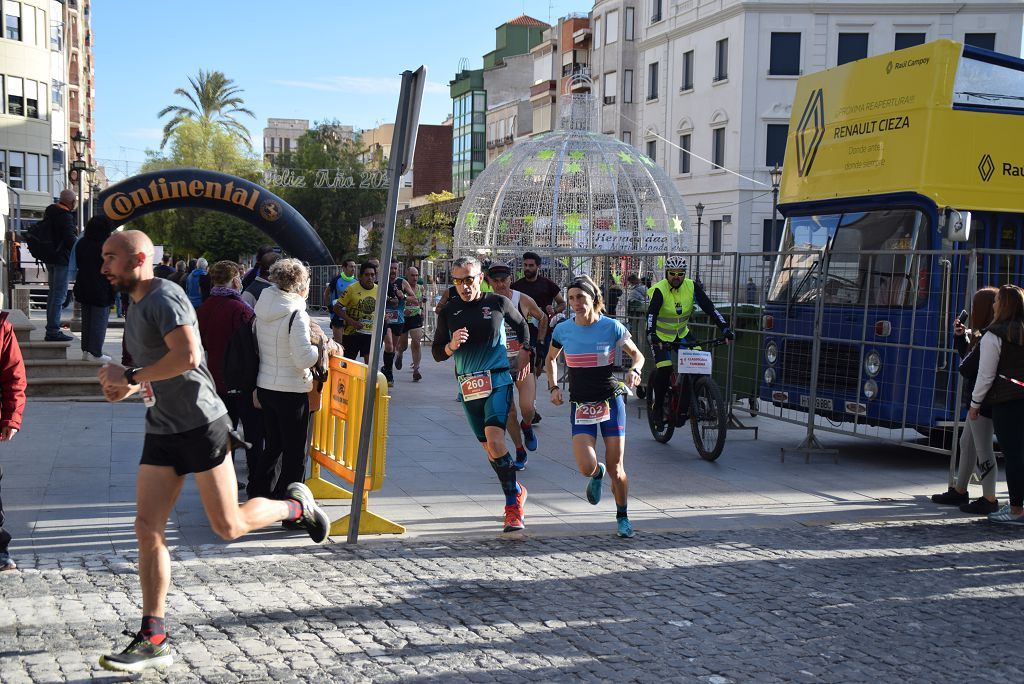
pixel 962 317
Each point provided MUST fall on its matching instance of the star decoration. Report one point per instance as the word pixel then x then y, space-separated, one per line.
pixel 614 227
pixel 545 155
pixel 646 160
pixel 624 156
pixel 604 167
pixel 529 219
pixel 650 222
pixel 472 219
pixel 572 223
pixel 573 167
pixel 505 158
pixel 677 224
pixel 529 171
pixel 503 227
pixel 577 155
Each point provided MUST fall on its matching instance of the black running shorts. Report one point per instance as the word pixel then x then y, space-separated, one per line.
pixel 192 451
pixel 356 345
pixel 413 322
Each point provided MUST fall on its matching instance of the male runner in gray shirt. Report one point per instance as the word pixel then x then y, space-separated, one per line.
pixel 187 431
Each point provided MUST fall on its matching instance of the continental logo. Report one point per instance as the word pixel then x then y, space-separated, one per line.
pixel 810 132
pixel 121 205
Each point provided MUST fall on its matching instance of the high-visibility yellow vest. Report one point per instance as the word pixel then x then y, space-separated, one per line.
pixel 676 307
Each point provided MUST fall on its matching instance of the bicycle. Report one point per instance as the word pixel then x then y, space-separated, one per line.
pixel 708 413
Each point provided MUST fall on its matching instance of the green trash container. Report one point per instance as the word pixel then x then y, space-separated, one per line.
pixel 746 377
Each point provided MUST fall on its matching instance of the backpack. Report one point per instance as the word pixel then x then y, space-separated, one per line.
pixel 39 238
pixel 241 359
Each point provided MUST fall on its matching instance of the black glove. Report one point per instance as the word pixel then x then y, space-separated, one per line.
pixel 729 334
pixel 655 342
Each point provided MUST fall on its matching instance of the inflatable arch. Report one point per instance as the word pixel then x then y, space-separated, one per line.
pixel 200 189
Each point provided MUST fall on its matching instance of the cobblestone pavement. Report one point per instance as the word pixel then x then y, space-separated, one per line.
pixel 897 601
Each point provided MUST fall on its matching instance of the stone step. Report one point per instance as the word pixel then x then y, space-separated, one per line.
pixel 64 387
pixel 39 349
pixel 61 368
pixel 23 327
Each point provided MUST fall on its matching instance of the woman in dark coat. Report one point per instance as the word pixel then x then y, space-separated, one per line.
pixel 92 290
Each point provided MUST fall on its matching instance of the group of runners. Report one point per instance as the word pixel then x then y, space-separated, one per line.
pixel 499 341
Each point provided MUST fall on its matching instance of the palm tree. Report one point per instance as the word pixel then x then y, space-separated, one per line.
pixel 215 101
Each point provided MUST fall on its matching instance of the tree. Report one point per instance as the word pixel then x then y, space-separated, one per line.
pixel 323 158
pixel 215 100
pixel 430 230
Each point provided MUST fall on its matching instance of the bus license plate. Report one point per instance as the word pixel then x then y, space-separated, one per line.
pixel 819 402
pixel 694 362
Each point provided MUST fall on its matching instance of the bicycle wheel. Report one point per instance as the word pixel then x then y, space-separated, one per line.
pixel 667 428
pixel 708 416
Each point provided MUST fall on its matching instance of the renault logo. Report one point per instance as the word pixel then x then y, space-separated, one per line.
pixel 986 167
pixel 810 132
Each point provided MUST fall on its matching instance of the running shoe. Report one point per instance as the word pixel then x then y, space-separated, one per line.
pixel 521 500
pixel 6 562
pixel 625 528
pixel 521 459
pixel 513 520
pixel 141 654
pixel 416 377
pixel 398 362
pixel 313 517
pixel 981 506
pixel 951 497
pixel 1004 516
pixel 529 436
pixel 536 418
pixel 594 486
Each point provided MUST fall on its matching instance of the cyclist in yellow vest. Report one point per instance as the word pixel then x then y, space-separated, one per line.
pixel 668 316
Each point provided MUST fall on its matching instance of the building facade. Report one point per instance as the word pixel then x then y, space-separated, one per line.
pixel 705 88
pixel 47 98
pixel 282 136
pixel 561 65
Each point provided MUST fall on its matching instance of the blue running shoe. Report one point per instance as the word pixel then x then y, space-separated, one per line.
pixel 521 459
pixel 529 436
pixel 625 528
pixel 594 486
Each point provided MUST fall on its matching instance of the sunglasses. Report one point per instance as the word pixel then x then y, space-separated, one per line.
pixel 467 281
pixel 675 274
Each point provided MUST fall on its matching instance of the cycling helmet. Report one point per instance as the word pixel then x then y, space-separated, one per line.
pixel 675 263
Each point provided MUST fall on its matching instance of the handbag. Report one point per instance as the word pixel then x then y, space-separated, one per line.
pixel 969 365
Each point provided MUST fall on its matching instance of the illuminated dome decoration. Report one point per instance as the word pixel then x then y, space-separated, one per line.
pixel 572 192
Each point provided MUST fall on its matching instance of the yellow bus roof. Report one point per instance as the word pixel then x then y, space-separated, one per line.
pixel 888 124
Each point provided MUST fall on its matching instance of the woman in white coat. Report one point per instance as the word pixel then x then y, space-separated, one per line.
pixel 282 387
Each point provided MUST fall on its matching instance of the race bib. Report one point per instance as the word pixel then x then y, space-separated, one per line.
pixel 475 385
pixel 366 325
pixel 147 394
pixel 694 362
pixel 391 316
pixel 592 413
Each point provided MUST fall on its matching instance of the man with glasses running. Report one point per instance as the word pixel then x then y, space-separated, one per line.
pixel 668 315
pixel 471 327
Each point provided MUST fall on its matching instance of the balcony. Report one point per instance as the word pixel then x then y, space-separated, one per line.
pixel 609 99
pixel 543 91
pixel 581 37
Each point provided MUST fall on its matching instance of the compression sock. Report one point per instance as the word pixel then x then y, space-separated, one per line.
pixel 620 512
pixel 599 473
pixel 521 453
pixel 294 510
pixel 389 362
pixel 506 472
pixel 153 629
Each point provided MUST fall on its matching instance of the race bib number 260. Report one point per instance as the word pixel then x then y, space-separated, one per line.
pixel 475 385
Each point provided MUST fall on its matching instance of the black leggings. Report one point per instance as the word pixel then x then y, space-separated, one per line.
pixel 5 537
pixel 283 461
pixel 1010 433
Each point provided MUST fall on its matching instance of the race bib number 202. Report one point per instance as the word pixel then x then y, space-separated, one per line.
pixel 592 413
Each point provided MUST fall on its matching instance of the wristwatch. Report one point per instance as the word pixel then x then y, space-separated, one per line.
pixel 129 375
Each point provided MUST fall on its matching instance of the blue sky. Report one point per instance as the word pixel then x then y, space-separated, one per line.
pixel 305 59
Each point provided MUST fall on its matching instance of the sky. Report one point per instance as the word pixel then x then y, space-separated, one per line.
pixel 305 59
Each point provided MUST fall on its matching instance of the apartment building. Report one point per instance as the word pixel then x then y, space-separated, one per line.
pixel 282 136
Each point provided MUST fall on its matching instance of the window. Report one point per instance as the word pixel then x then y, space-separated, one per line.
pixel 57 36
pixel 16 176
pixel 652 149
pixel 852 46
pixel 629 27
pixel 718 147
pixel 684 153
pixel 597 33
pixel 655 10
pixel 775 148
pixel 986 41
pixel 716 239
pixel 627 137
pixel 627 85
pixel 3 165
pixel 611 27
pixel 771 237
pixel 905 40
pixel 28 25
pixel 785 55
pixel 652 81
pixel 722 60
pixel 32 108
pixel 15 96
pixel 32 173
pixel 57 97
pixel 611 86
pixel 687 70
pixel 12 22
pixel 40 27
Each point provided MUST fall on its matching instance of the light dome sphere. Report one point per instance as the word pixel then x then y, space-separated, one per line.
pixel 572 192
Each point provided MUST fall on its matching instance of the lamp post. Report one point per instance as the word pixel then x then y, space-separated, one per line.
pixel 80 166
pixel 776 175
pixel 700 212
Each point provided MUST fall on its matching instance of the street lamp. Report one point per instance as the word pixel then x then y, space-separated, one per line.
pixel 80 166
pixel 776 174
pixel 700 212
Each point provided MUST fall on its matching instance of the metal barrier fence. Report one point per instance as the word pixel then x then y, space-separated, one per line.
pixel 335 444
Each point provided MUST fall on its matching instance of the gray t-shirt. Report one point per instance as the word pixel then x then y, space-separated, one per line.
pixel 189 400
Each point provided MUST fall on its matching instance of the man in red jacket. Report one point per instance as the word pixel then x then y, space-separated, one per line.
pixel 223 312
pixel 12 405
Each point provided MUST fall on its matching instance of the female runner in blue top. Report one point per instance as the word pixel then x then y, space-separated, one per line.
pixel 589 342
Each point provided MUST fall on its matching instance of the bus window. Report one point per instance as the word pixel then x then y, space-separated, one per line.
pixel 884 279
